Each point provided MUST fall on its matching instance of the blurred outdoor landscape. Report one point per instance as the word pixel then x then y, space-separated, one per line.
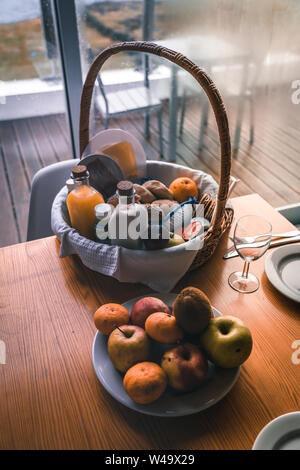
pixel 22 47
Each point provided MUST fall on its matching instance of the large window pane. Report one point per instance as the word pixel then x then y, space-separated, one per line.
pixel 250 49
pixel 33 129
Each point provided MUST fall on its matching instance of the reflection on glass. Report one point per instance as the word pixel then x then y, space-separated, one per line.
pixel 33 128
pixel 27 37
pixel 251 51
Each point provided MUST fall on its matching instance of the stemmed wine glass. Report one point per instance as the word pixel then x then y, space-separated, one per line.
pixel 252 236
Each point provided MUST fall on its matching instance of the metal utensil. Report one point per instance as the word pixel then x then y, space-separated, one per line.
pixel 282 241
pixel 292 233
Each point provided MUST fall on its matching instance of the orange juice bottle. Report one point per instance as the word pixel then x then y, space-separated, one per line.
pixel 81 202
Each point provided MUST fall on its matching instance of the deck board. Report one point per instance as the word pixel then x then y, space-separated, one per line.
pixel 8 228
pixel 257 178
pixel 30 157
pixel 57 137
pixel 46 151
pixel 62 123
pixel 270 167
pixel 17 181
pixel 251 164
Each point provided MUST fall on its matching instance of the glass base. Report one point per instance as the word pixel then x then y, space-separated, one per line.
pixel 243 284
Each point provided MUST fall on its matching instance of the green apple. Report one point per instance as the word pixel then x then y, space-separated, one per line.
pixel 227 341
pixel 175 240
pixel 127 346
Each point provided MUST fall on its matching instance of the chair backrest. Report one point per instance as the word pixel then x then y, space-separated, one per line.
pixel 146 66
pixel 102 91
pixel 45 185
pixel 91 57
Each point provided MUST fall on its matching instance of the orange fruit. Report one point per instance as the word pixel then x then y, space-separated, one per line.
pixel 163 328
pixel 183 188
pixel 108 316
pixel 145 382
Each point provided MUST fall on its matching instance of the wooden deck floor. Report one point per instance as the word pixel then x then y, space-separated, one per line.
pixel 270 167
pixel 26 145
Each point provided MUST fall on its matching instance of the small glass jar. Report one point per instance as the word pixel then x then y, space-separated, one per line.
pixel 70 184
pixel 102 213
pixel 128 220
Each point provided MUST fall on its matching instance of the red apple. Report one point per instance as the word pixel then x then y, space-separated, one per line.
pixel 127 345
pixel 144 307
pixel 186 367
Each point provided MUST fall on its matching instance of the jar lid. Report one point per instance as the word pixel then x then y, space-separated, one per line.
pixel 102 210
pixel 125 188
pixel 80 171
pixel 70 184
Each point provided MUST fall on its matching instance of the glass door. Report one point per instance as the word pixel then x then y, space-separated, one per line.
pixel 33 121
pixel 250 49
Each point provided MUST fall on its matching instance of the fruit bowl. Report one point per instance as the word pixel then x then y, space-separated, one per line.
pixel 215 386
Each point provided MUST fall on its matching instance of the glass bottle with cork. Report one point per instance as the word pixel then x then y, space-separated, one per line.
pixel 128 220
pixel 81 202
pixel 102 213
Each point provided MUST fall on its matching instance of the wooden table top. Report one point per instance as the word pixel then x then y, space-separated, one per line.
pixel 50 396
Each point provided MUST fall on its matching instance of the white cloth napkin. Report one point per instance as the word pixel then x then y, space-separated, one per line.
pixel 158 269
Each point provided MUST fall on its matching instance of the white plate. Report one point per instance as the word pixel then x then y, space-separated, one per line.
pixel 282 433
pixel 282 267
pixel 110 137
pixel 217 384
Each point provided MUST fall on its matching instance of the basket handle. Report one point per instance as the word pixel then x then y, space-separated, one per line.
pixel 202 78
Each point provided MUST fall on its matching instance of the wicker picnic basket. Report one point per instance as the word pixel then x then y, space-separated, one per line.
pixel 215 211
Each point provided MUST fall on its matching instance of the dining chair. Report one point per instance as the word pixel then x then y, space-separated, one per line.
pixel 243 93
pixel 46 183
pixel 137 99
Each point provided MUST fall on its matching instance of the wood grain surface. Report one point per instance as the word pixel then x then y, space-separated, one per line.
pixel 50 396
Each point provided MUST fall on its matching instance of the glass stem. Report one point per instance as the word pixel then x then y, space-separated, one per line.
pixel 246 269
